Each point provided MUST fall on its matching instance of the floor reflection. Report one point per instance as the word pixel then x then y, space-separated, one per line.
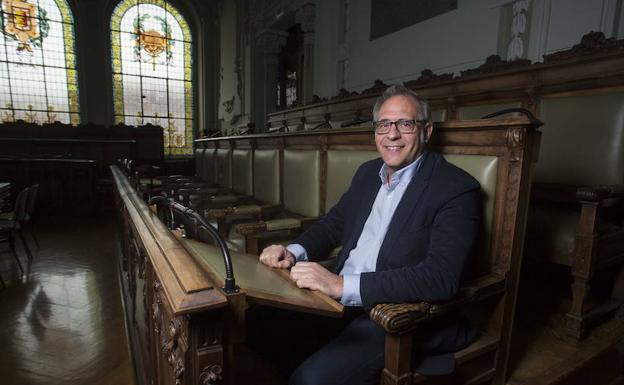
pixel 62 322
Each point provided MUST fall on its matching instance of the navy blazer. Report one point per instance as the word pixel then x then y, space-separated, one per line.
pixel 429 238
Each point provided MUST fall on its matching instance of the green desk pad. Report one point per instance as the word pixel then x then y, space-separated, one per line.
pixel 252 276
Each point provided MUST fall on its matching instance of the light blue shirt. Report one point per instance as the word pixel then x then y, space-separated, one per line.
pixel 363 258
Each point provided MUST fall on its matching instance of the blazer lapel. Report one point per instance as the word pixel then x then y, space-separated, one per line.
pixel 408 204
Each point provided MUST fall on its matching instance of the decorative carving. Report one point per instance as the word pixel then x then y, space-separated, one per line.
pixel 377 88
pixel 228 105
pixel 173 345
pixel 515 141
pixel 591 44
pixel 343 94
pixel 210 375
pixel 428 77
pixel 156 306
pixel 494 63
pixel 318 99
pixel 515 49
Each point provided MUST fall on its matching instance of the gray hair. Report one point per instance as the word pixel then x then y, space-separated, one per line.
pixel 396 90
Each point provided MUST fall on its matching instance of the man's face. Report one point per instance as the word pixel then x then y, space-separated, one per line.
pixel 396 149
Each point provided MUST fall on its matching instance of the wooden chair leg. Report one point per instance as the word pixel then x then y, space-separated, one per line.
pixel 398 371
pixel 28 253
pixel 12 246
pixel 34 236
pixel 582 270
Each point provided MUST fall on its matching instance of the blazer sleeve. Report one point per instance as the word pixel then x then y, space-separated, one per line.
pixel 453 233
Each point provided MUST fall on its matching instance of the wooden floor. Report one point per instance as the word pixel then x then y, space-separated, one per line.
pixel 62 323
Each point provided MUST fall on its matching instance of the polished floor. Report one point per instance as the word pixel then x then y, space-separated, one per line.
pixel 62 322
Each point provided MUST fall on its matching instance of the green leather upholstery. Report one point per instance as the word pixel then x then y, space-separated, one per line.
pixel 224 167
pixel 199 162
pixel 302 182
pixel 242 172
pixel 438 115
pixel 484 169
pixel 593 149
pixel 266 176
pixel 479 111
pixel 208 169
pixel 341 166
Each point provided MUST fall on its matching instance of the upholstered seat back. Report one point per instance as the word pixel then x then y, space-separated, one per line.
pixel 302 182
pixel 242 171
pixel 485 170
pixel 583 140
pixel 341 166
pixel 224 167
pixel 208 168
pixel 266 176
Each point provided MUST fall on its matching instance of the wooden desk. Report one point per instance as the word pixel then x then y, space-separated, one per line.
pixel 67 185
pixel 183 329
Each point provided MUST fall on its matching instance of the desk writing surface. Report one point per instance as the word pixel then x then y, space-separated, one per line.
pixel 260 282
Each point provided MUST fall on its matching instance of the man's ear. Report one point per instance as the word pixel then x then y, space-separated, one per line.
pixel 428 131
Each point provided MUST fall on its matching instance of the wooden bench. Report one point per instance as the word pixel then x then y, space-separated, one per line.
pixel 497 152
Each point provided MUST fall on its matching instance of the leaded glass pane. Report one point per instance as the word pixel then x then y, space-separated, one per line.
pixel 39 80
pixel 152 70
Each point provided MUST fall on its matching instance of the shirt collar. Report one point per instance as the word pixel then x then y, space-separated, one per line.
pixel 403 175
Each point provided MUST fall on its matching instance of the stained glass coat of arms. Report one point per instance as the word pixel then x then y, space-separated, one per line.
pixel 152 70
pixel 38 80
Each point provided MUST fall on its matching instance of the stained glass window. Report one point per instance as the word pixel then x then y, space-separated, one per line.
pixel 152 70
pixel 38 81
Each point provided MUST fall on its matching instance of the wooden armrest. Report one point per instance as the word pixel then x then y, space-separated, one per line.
pixel 399 317
pixel 553 192
pixel 403 317
pixel 599 193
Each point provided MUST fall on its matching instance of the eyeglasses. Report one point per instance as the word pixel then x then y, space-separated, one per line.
pixel 405 126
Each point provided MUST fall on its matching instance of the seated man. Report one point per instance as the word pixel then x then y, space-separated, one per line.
pixel 407 225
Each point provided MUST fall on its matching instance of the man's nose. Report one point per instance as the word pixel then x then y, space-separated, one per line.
pixel 394 132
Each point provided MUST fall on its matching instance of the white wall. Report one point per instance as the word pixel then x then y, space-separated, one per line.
pixel 451 42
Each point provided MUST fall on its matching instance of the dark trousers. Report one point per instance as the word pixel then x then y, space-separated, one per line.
pixel 354 353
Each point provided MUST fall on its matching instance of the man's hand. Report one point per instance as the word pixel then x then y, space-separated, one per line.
pixel 277 256
pixel 311 275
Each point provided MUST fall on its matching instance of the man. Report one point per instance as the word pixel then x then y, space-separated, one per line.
pixel 407 224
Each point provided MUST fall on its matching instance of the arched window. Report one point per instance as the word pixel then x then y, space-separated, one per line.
pixel 38 81
pixel 152 70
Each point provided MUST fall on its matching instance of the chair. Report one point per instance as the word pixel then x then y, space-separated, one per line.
pixel 501 161
pixel 31 201
pixel 11 222
pixel 576 218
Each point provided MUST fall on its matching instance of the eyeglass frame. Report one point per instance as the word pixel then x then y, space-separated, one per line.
pixel 396 124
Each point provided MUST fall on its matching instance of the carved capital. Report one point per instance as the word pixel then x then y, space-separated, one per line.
pixel 305 17
pixel 271 41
